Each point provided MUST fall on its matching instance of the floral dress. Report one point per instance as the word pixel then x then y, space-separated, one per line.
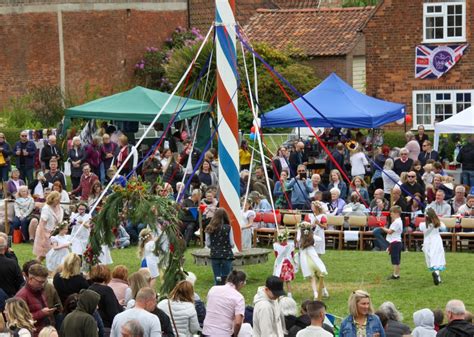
pixel 284 266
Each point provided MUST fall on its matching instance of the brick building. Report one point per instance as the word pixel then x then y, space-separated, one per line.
pixel 331 38
pixel 79 43
pixel 393 33
pixel 72 44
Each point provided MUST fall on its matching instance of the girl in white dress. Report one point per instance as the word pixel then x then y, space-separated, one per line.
pixel 60 247
pixel 146 252
pixel 248 215
pixel 80 223
pixel 309 262
pixel 433 245
pixel 284 266
pixel 319 223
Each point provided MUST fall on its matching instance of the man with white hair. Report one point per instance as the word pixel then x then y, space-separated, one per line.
pixel 440 206
pixel 50 151
pixel 457 325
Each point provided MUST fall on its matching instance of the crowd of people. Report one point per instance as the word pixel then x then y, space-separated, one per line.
pixel 53 189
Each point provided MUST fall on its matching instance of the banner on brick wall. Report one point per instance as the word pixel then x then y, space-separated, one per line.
pixel 435 61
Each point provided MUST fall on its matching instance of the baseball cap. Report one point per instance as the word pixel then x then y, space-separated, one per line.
pixel 275 285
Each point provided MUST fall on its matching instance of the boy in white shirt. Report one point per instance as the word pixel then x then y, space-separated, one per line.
pixel 394 238
pixel 317 311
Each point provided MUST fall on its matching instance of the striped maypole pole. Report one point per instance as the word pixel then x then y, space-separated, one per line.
pixel 226 57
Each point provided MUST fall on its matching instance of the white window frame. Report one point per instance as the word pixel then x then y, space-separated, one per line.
pixel 444 14
pixel 433 102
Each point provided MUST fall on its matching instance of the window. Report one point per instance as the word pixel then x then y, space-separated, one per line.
pixel 431 106
pixel 444 22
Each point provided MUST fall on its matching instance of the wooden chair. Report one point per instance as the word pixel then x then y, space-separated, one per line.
pixel 448 237
pixel 466 234
pixel 265 234
pixel 334 236
pixel 416 236
pixel 367 236
pixel 358 222
pixel 290 221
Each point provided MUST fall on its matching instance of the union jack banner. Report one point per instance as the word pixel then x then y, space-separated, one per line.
pixel 435 61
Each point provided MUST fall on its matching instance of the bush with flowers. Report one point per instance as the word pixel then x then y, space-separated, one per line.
pixel 150 69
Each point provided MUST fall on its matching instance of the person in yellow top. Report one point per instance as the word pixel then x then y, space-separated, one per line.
pixel 244 156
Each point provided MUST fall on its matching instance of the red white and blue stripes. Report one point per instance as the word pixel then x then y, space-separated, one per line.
pixel 229 179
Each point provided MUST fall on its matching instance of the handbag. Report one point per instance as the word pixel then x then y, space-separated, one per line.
pixel 172 318
pixel 67 169
pixel 2 160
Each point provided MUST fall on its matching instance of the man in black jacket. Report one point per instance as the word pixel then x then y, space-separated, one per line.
pixel 51 150
pixel 466 158
pixel 297 157
pixel 11 279
pixel 457 326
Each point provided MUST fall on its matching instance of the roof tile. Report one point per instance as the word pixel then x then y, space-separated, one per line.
pixel 314 32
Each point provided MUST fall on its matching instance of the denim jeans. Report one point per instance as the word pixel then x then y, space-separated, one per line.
pixel 4 170
pixel 134 231
pixel 26 174
pixel 380 241
pixel 221 269
pixel 467 177
pixel 23 225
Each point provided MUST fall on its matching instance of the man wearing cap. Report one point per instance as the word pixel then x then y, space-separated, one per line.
pixel 268 320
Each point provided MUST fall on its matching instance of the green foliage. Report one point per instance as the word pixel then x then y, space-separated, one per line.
pixel 359 3
pixel 41 106
pixel 139 206
pixel 150 70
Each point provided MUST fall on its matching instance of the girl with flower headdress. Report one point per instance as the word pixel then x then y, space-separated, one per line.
pixel 309 262
pixel 60 247
pixel 284 266
pixel 319 223
pixel 146 251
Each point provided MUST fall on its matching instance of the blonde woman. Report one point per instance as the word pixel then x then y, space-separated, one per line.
pixel 361 320
pixel 48 331
pixel 70 280
pixel 19 319
pixel 51 215
pixel 136 281
pixel 180 308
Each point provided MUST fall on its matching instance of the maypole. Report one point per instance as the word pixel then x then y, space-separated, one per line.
pixel 226 59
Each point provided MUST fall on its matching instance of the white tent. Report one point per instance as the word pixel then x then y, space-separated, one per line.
pixel 462 122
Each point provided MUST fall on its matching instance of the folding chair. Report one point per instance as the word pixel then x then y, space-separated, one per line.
pixel 334 235
pixel 466 234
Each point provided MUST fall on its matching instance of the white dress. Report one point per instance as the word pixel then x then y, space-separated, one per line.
pixel 283 253
pixel 319 237
pixel 105 257
pixel 150 259
pixel 55 257
pixel 80 234
pixel 310 263
pixel 247 232
pixel 433 247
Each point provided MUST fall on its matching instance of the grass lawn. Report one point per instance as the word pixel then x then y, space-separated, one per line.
pixel 348 270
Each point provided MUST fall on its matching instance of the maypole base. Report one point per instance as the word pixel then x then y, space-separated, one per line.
pixel 247 257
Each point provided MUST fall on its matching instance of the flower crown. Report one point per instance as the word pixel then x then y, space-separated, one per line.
pixel 145 237
pixel 305 227
pixel 283 235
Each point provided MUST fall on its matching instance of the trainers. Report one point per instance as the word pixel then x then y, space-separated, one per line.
pixel 436 278
pixel 325 293
pixel 393 277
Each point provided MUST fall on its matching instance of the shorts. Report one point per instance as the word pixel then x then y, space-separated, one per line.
pixel 395 252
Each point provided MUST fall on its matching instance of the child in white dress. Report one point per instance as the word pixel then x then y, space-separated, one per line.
pixel 248 215
pixel 80 233
pixel 146 252
pixel 60 247
pixel 319 223
pixel 309 262
pixel 433 245
pixel 284 266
